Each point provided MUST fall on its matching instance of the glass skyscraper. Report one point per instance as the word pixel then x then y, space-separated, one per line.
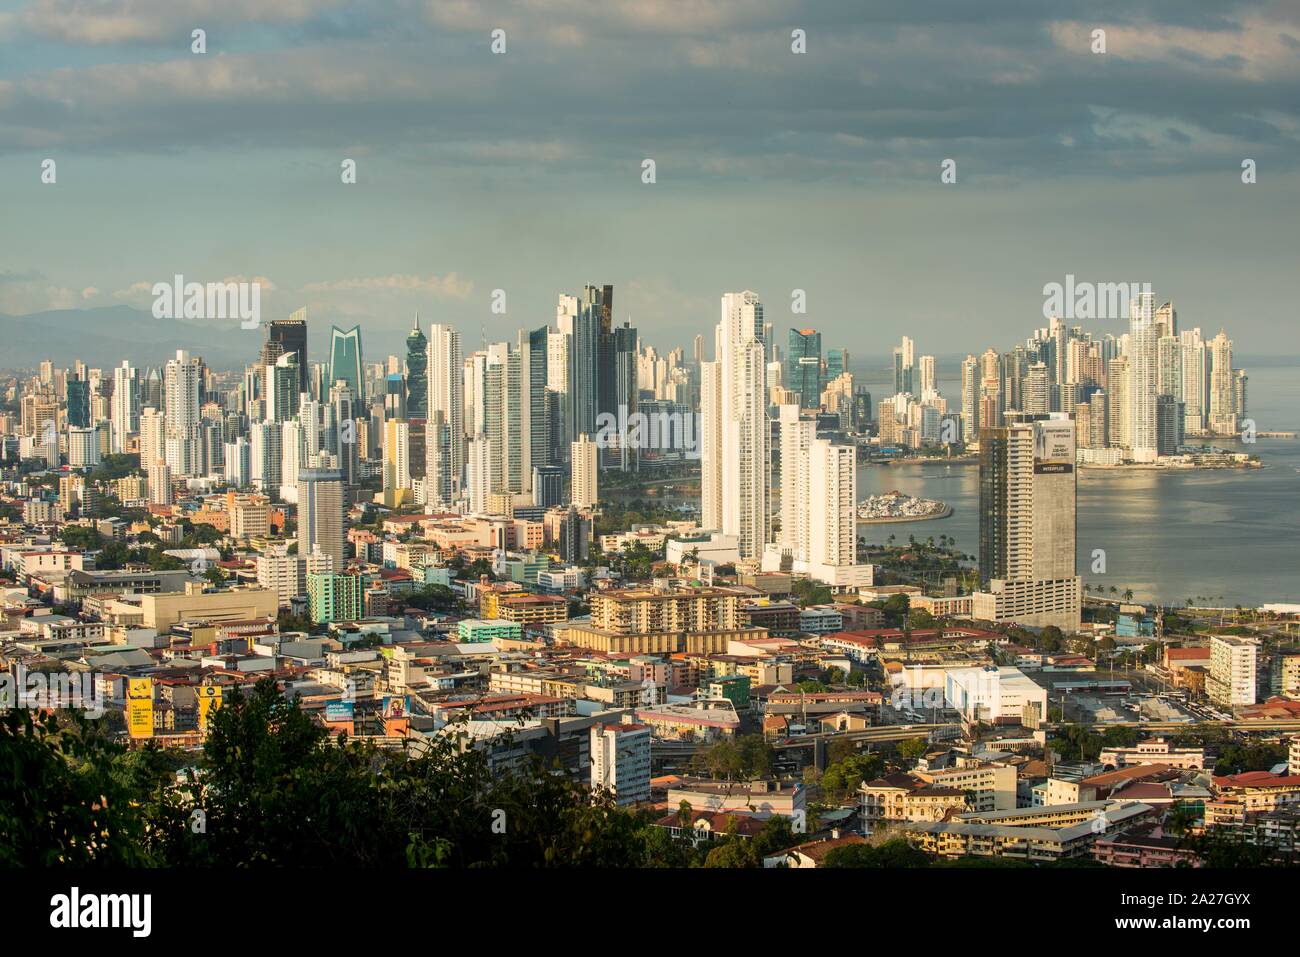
pixel 803 367
pixel 345 359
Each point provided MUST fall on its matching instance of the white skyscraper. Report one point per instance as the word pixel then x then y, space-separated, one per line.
pixel 734 433
pixel 446 395
pixel 237 462
pixel 292 458
pixel 182 385
pixel 125 406
pixel 1196 381
pixel 1144 373
pixel 819 488
pixel 583 466
pixel 153 432
pixel 1223 395
pixel 478 467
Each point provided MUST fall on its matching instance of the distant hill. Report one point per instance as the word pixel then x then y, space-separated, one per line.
pixel 105 336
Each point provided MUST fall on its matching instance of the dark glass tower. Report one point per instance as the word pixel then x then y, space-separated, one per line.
pixel 803 367
pixel 417 373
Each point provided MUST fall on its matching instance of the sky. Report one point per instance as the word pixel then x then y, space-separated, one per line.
pixel 774 170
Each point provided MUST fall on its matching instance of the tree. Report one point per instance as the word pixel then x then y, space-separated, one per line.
pixel 911 750
pixel 897 852
pixel 64 801
pixel 733 852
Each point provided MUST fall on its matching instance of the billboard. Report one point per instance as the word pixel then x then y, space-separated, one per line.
pixel 139 707
pixel 338 711
pixel 209 697
pixel 1053 447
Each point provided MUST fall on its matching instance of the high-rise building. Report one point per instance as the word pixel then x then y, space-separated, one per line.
pixel 1027 524
pixel 970 390
pixel 397 468
pixel 79 403
pixel 1223 391
pixel 905 367
pixel 283 393
pixel 446 395
pixel 265 456
pixel 334 596
pixel 1232 680
pixel 1195 382
pixel 183 385
pixel 345 359
pixel 803 367
pixel 289 337
pixel 837 363
pixel 1119 391
pixel 478 477
pixel 417 373
pixel 1169 425
pixel 584 347
pixel 735 434
pixel 534 429
pixel 585 472
pixel 929 377
pixel 124 407
pixel 160 483
pixel 1144 372
pixel 320 515
pixel 818 535
pixel 620 761
pixel 237 462
pixel 548 485
pixel 277 569
pixel 83 447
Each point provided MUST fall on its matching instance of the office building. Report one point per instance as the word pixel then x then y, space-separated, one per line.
pixel 320 515
pixel 1027 524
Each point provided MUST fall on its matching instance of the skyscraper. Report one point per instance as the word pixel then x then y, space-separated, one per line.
pixel 478 473
pixel 320 515
pixel 283 381
pixel 803 367
pixel 583 349
pixel 417 377
pixel 124 408
pixel 584 473
pixel 818 535
pixel 1144 373
pixel 446 395
pixel 534 409
pixel 284 336
pixel 1223 392
pixel 1027 524
pixel 904 367
pixel 183 384
pixel 734 431
pixel 345 359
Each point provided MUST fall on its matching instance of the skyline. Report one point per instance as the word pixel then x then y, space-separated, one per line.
pixel 817 171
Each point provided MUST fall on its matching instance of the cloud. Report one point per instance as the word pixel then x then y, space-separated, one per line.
pixel 104 22
pixel 710 89
pixel 449 286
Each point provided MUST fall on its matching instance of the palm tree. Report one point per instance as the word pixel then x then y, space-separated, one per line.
pixel 1128 594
